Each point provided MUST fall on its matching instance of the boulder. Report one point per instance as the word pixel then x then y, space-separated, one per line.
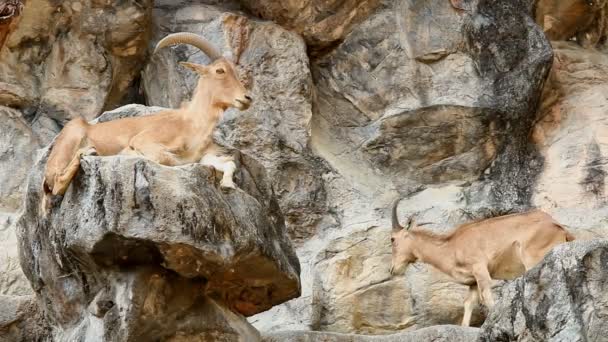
pixel 559 300
pixel 440 333
pixel 273 64
pixel 138 251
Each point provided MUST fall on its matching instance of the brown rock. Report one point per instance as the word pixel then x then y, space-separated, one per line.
pixel 587 21
pixel 73 58
pixel 10 10
pixel 321 22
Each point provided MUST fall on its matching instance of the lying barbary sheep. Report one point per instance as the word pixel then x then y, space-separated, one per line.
pixel 475 253
pixel 171 137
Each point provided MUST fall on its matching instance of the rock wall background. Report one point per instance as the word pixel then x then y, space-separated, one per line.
pixel 464 110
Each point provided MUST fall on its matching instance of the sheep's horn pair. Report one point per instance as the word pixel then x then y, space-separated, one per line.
pixel 190 39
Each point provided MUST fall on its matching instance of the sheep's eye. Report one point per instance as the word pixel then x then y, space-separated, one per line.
pixel 220 71
pixel 392 240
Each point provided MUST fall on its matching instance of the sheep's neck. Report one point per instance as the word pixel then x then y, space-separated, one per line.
pixel 432 250
pixel 201 111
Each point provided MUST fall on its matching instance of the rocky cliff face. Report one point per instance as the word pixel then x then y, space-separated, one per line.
pixel 465 108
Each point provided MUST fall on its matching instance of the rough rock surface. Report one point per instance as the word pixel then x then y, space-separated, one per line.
pixel 21 320
pixel 562 299
pixel 18 146
pixel 445 333
pixel 571 135
pixel 320 22
pixel 116 259
pixel 272 62
pixel 433 107
pixel 72 58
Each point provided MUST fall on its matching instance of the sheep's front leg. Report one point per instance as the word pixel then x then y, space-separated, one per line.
pixel 484 283
pixel 224 164
pixel 469 304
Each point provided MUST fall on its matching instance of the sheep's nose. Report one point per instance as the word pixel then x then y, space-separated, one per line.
pixel 391 270
pixel 248 98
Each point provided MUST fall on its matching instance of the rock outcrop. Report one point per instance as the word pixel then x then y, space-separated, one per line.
pixel 138 251
pixel 562 299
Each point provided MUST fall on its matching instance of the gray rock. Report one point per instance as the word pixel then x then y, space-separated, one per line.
pixel 428 100
pixel 136 250
pixel 562 299
pixel 21 320
pixel 272 62
pixel 440 333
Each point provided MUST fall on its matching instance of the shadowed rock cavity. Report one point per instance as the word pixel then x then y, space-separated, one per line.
pixel 138 251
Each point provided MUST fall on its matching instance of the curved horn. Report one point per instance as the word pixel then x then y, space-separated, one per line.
pixel 190 39
pixel 395 220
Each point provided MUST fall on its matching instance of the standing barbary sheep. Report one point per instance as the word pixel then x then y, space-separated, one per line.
pixel 171 137
pixel 475 253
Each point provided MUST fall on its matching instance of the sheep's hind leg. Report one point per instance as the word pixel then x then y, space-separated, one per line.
pixel 224 164
pixel 484 283
pixel 156 152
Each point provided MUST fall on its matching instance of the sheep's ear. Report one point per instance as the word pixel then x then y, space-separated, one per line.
pixel 194 67
pixel 411 223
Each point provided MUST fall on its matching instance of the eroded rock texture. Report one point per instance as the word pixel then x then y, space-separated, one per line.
pixel 562 299
pixel 137 251
pixel 321 23
pixel 21 319
pixel 571 138
pixel 70 58
pixel 439 334
pixel 439 105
